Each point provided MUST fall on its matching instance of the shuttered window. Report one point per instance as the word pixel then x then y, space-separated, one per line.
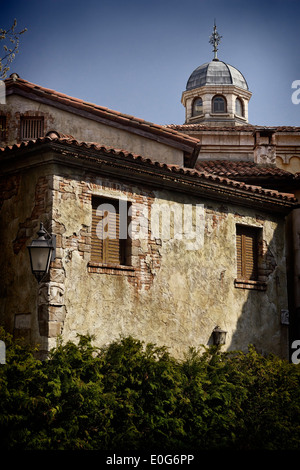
pixel 108 242
pixel 31 127
pixel 247 252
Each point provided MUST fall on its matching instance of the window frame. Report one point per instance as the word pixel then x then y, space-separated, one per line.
pixel 217 111
pixel 247 242
pixel 106 251
pixel 247 252
pixel 31 127
pixel 238 100
pixel 197 113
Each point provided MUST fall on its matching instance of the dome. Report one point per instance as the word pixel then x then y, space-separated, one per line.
pixel 216 72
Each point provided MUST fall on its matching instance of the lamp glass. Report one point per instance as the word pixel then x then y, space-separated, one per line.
pixel 40 258
pixel 40 252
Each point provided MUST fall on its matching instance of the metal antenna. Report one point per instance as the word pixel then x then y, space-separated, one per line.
pixel 215 39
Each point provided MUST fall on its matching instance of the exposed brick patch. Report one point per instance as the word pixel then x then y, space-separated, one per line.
pixel 110 269
pixel 144 259
pixel 80 242
pixel 41 207
pixel 4 130
pixel 214 217
pixel 9 187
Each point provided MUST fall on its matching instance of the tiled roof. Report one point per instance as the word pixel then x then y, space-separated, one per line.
pixel 241 169
pixel 204 127
pixel 239 128
pixel 39 93
pixel 91 151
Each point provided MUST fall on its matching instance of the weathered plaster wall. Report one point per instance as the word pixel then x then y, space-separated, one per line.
pixel 170 295
pixel 288 163
pixel 175 296
pixel 25 200
pixel 86 130
pixel 288 151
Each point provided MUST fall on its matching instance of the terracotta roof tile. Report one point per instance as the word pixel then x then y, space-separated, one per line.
pixel 143 161
pixel 20 85
pixel 240 169
pixel 240 128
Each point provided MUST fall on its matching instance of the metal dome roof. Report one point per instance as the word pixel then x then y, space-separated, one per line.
pixel 216 72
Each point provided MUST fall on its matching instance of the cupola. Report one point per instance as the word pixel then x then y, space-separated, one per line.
pixel 216 93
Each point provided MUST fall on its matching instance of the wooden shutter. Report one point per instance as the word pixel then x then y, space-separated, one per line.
pixel 239 254
pixel 97 242
pixel 112 241
pixel 32 127
pixel 106 244
pixel 247 252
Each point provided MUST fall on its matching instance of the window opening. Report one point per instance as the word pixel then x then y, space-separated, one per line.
pixel 247 252
pixel 197 107
pixel 239 107
pixel 219 104
pixel 109 231
pixel 31 127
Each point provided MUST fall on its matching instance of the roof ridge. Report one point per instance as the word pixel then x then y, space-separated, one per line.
pixel 109 113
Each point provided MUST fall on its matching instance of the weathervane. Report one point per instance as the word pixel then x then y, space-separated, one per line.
pixel 215 39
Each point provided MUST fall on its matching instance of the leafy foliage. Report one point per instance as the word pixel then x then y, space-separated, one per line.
pixel 135 396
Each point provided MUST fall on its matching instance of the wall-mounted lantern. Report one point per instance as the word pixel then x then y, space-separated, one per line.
pixel 42 252
pixel 219 336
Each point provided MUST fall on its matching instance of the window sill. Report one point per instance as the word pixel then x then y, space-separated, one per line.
pixel 196 116
pixel 247 284
pixel 119 269
pixel 240 117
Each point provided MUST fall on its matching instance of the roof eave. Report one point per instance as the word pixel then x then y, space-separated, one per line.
pixel 103 115
pixel 141 170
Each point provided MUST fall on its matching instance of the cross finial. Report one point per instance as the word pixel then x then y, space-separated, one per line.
pixel 215 39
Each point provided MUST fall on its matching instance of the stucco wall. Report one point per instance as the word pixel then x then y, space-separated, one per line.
pixel 171 295
pixel 86 130
pixel 26 199
pixel 176 296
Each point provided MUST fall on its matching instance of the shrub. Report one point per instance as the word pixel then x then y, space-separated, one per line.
pixel 129 395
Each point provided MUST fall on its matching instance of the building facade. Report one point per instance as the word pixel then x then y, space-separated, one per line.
pixel 162 232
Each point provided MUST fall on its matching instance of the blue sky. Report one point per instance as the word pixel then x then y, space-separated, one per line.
pixel 136 56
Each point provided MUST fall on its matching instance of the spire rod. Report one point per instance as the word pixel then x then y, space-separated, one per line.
pixel 215 39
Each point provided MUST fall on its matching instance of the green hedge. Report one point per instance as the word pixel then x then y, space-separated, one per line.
pixel 136 396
